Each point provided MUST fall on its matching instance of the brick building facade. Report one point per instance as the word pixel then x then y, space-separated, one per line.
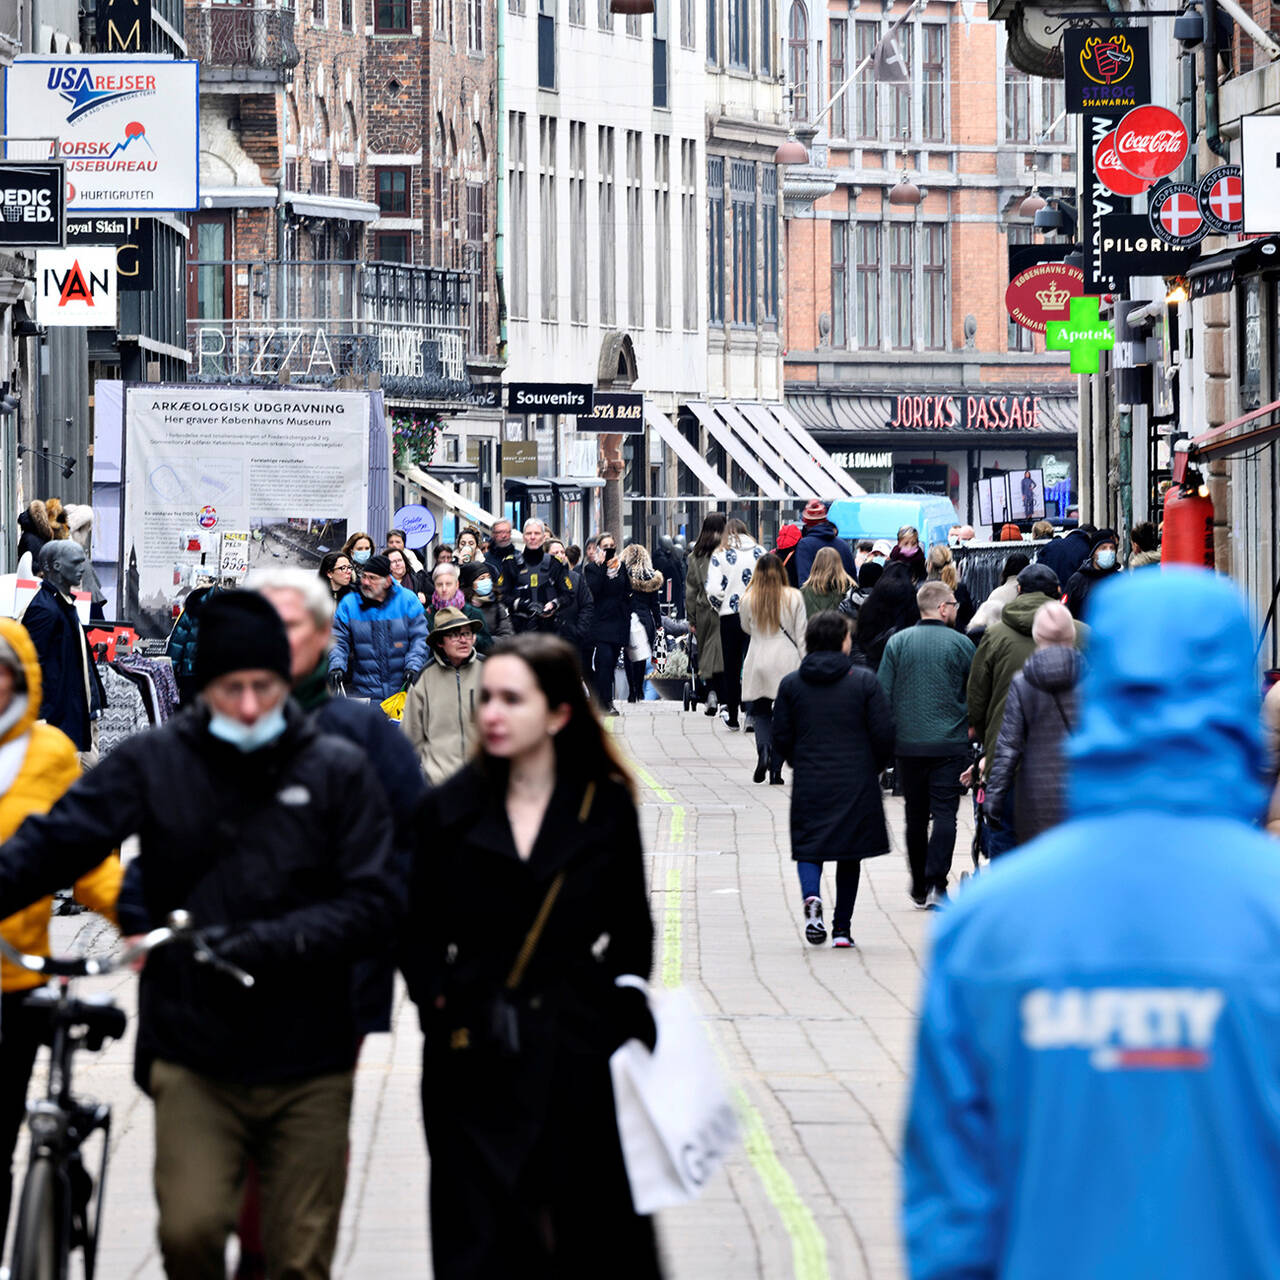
pixel 901 357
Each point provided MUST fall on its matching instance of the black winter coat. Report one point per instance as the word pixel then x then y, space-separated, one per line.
pixel 504 561
pixel 833 725
pixel 612 600
pixel 512 1135
pixel 1065 555
pixel 1082 582
pixel 1039 713
pixel 291 845
pixel 535 580
pixel 575 619
pixel 62 645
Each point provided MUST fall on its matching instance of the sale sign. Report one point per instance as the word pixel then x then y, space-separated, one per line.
pixel 1111 173
pixel 1151 142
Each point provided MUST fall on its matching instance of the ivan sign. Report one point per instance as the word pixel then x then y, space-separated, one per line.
pixel 1151 142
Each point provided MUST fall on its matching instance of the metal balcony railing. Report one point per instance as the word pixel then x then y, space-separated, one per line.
pixel 254 37
pixel 321 321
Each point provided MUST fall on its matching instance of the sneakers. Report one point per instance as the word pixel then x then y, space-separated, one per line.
pixel 610 710
pixel 841 938
pixel 713 704
pixel 919 901
pixel 729 724
pixel 937 898
pixel 815 931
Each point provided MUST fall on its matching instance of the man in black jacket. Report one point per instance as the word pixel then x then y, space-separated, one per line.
pixel 276 840
pixel 575 621
pixel 534 586
pixel 501 555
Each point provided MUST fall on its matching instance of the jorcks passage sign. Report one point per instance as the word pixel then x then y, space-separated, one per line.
pixel 127 128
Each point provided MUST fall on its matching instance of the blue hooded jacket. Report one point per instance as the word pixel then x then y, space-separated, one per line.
pixel 1097 1086
pixel 380 644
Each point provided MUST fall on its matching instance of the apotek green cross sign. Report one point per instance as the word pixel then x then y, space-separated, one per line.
pixel 1085 335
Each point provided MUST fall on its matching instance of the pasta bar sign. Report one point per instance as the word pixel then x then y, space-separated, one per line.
pixel 966 413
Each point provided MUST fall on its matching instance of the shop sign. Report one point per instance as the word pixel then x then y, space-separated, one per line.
pixel 966 413
pixel 618 412
pixel 483 395
pixel 1106 70
pixel 76 287
pixel 1096 203
pixel 124 26
pixel 1151 142
pixel 1221 199
pixel 32 204
pixel 1086 336
pixel 418 524
pixel 233 554
pixel 132 239
pixel 127 128
pixel 1131 248
pixel 1043 293
pixel 1111 173
pixel 549 397
pixel 518 458
pixel 1173 213
pixel 1260 179
pixel 863 461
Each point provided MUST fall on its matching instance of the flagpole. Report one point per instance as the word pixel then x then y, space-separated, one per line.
pixel 862 66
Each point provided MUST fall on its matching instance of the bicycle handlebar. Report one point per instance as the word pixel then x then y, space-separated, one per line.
pixel 179 929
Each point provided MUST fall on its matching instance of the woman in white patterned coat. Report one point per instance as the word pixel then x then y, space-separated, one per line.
pixel 731 568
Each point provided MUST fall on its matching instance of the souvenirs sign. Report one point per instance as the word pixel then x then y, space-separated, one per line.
pixel 1221 199
pixel 1086 335
pixel 1043 293
pixel 1174 213
pixel 1107 69
pixel 1151 142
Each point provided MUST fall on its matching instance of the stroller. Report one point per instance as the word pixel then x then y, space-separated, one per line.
pixel 695 689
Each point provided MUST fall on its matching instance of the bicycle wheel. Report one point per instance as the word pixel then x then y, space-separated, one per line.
pixel 39 1242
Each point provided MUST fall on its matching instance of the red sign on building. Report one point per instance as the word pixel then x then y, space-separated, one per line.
pixel 1043 293
pixel 1151 142
pixel 1111 173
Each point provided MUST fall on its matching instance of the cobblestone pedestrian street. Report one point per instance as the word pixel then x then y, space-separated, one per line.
pixel 817 1043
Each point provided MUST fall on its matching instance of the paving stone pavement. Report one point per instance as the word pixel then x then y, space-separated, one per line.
pixel 816 1043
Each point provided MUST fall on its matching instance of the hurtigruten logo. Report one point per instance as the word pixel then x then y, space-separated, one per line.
pixel 1126 1028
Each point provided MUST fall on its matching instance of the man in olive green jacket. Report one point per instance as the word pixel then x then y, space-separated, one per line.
pixel 439 713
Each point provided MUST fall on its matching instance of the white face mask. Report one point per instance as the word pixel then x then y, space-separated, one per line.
pixel 1106 559
pixel 248 737
pixel 484 588
pixel 361 556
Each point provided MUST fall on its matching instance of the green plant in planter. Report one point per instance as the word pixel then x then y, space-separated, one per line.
pixel 414 437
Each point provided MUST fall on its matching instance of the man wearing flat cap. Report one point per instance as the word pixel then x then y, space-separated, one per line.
pixel 276 839
pixel 439 715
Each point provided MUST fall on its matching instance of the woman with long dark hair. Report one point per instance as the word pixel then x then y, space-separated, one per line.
pixel 890 608
pixel 521 1013
pixel 337 573
pixel 704 617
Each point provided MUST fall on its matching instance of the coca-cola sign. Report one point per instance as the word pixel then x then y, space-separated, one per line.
pixel 1151 142
pixel 1111 173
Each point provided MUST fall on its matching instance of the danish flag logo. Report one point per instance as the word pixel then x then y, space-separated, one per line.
pixel 1221 198
pixel 1226 199
pixel 1179 215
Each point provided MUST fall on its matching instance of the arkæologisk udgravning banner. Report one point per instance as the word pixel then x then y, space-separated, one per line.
pixel 289 466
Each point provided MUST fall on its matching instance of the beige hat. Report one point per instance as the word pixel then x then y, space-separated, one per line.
pixel 447 620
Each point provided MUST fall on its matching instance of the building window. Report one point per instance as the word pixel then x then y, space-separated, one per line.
pixel 739 34
pixel 291 174
pixel 901 94
pixel 319 177
pixel 933 73
pixel 766 37
pixel 608 229
pixel 715 240
pixel 839 119
pixel 689 230
pixel 688 33
pixel 519 246
pixel 713 29
pixel 392 246
pixel 1018 338
pixel 577 13
pixel 1053 116
pixel 1017 105
pixel 604 16
pixel 934 316
pixel 547 211
pixel 391 17
pixel 515 6
pixel 742 196
pixel 660 53
pixel 475 26
pixel 769 238
pixel 901 286
pixel 317 12
pixel 347 181
pixel 440 18
pixel 348 20
pixel 866 36
pixel 868 270
pixel 839 281
pixel 798 60
pixel 635 231
pixel 546 44
pixel 393 192
pixel 477 260
pixel 577 221
pixel 662 231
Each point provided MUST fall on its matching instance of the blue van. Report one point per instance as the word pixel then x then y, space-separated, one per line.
pixel 881 515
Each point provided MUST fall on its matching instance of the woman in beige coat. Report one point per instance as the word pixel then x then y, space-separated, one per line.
pixel 772 613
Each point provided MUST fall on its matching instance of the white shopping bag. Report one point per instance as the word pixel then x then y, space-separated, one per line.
pixel 638 642
pixel 675 1119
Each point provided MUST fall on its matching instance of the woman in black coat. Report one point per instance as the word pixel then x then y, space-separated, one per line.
pixel 891 607
pixel 833 726
pixel 610 589
pixel 527 1173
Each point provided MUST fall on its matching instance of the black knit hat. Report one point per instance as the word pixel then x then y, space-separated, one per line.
pixel 1039 577
pixel 470 572
pixel 240 631
pixel 378 566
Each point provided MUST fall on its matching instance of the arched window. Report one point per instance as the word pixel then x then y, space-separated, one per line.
pixel 798 60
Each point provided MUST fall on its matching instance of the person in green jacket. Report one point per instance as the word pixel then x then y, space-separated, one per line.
pixel 924 672
pixel 827 583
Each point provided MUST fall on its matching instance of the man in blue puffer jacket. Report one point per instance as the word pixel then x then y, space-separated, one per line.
pixel 1097 1087
pixel 379 634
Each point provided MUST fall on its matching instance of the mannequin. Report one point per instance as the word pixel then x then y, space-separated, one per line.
pixel 80 521
pixel 73 694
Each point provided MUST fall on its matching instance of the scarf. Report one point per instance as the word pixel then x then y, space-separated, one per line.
pixel 312 690
pixel 455 601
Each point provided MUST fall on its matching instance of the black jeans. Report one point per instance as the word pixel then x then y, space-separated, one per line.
pixel 733 643
pixel 930 790
pixel 606 663
pixel 848 876
pixel 24 1032
pixel 762 710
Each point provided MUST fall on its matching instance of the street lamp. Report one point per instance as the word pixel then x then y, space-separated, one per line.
pixel 905 192
pixel 792 151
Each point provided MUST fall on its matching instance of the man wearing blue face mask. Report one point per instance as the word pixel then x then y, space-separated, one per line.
pixel 276 839
pixel 1102 563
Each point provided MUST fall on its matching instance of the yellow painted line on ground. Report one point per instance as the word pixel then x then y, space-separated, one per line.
pixel 808 1248
pixel 653 784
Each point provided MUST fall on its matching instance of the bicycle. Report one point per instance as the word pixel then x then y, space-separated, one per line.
pixel 60 1209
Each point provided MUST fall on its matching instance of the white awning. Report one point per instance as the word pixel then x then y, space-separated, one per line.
pixel 818 483
pixel 671 437
pixel 769 485
pixel 337 207
pixel 450 498
pixel 846 483
pixel 762 444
